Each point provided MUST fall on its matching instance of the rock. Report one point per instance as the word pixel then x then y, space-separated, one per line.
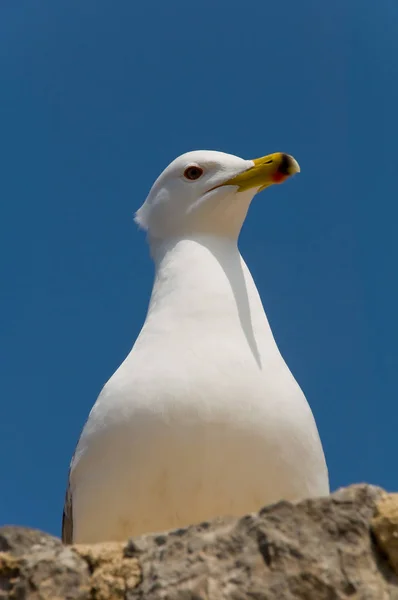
pixel 341 547
pixel 34 565
pixel 385 527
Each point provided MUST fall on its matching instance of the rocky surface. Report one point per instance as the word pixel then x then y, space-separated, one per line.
pixel 341 547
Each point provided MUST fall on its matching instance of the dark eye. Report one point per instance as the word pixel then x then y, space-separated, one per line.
pixel 193 173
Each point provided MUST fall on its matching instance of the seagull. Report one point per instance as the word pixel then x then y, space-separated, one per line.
pixel 203 418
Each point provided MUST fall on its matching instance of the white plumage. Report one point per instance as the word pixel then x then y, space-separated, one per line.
pixel 203 418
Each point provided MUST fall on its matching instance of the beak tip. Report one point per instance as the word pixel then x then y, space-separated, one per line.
pixel 288 165
pixel 294 166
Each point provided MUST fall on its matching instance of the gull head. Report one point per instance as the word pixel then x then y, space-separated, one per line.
pixel 209 192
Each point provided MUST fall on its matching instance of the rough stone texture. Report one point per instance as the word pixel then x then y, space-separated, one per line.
pixel 341 547
pixel 385 527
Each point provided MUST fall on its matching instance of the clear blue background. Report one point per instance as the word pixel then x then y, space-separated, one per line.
pixel 97 97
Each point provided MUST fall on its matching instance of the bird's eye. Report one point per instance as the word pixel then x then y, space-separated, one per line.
pixel 193 173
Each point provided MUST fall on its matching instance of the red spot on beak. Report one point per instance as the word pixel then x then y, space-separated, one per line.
pixel 279 177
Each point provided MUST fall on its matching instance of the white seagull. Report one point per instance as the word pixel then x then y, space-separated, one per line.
pixel 203 418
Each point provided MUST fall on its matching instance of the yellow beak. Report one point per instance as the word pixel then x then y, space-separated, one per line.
pixel 274 168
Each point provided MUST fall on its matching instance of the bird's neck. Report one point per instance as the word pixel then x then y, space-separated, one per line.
pixel 203 282
pixel 193 275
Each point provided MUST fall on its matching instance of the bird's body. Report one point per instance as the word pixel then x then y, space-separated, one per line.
pixel 203 418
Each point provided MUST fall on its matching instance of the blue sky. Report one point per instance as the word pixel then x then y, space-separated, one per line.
pixel 97 98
